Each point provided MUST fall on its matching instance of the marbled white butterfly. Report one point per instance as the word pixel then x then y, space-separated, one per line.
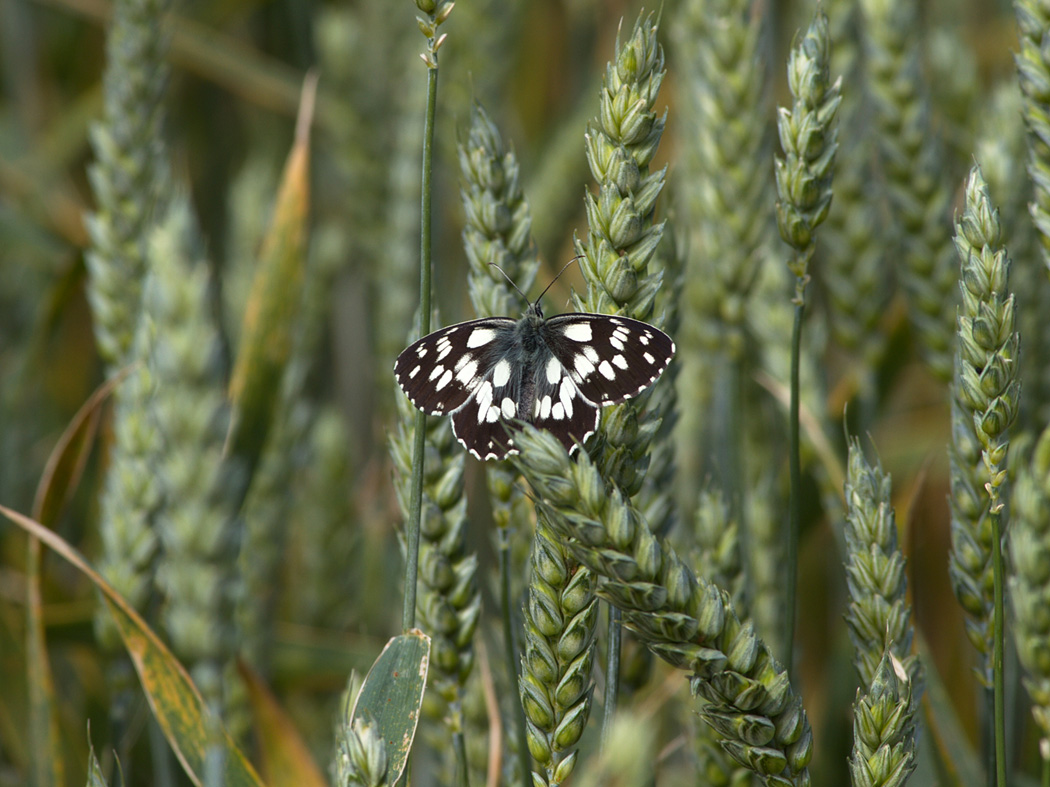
pixel 554 373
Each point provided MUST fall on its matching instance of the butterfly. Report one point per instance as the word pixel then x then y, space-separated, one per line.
pixel 554 373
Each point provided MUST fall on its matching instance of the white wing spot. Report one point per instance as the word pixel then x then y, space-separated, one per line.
pixel 501 374
pixel 578 331
pixel 557 412
pixel 492 415
pixel 422 351
pixel 414 372
pixel 507 407
pixel 483 398
pixel 649 358
pixel 583 365
pixel 568 390
pixel 619 361
pixel 443 351
pixel 554 369
pixel 645 337
pixel 537 409
pixel 616 342
pixel 607 371
pixel 437 372
pixel 545 411
pixel 466 372
pixel 591 354
pixel 480 336
pixel 446 378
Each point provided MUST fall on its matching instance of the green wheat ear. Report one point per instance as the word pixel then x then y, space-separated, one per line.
pixel 130 181
pixel 809 137
pixel 497 236
pixel 620 144
pixel 622 236
pixel 556 684
pixel 1001 149
pixel 985 394
pixel 684 620
pixel 883 730
pixel 359 756
pixel 718 46
pixel 853 265
pixel 1029 540
pixel 1033 70
pixel 878 617
pixel 197 526
pixel 913 161
pixel 130 177
pixel 715 555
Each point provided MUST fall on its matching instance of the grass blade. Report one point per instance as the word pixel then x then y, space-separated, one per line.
pixel 174 699
pixel 392 694
pixel 285 757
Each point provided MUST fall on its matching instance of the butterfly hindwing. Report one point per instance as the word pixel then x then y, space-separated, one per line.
pixel 610 359
pixel 557 404
pixel 440 372
pixel 480 423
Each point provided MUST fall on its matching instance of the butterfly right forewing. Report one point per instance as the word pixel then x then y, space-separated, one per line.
pixel 611 358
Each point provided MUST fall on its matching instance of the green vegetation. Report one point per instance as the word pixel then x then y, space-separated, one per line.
pixel 815 551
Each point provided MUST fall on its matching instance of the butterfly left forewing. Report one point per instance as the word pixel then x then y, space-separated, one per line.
pixel 609 358
pixel 441 371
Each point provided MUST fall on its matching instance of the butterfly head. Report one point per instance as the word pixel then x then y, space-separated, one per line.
pixel 534 314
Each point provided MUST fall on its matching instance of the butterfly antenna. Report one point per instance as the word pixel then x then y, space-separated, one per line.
pixel 512 284
pixel 564 267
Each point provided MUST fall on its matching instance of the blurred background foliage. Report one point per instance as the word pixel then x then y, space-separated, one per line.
pixel 237 67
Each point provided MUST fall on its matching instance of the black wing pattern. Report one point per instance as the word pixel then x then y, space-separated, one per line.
pixel 610 359
pixel 439 372
pixel 556 374
pixel 556 403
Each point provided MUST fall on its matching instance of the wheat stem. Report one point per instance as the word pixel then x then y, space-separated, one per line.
pixel 614 634
pixel 998 624
pixel 435 17
pixel 810 140
pixel 787 643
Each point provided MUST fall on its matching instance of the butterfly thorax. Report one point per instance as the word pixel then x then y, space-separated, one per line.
pixel 528 329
